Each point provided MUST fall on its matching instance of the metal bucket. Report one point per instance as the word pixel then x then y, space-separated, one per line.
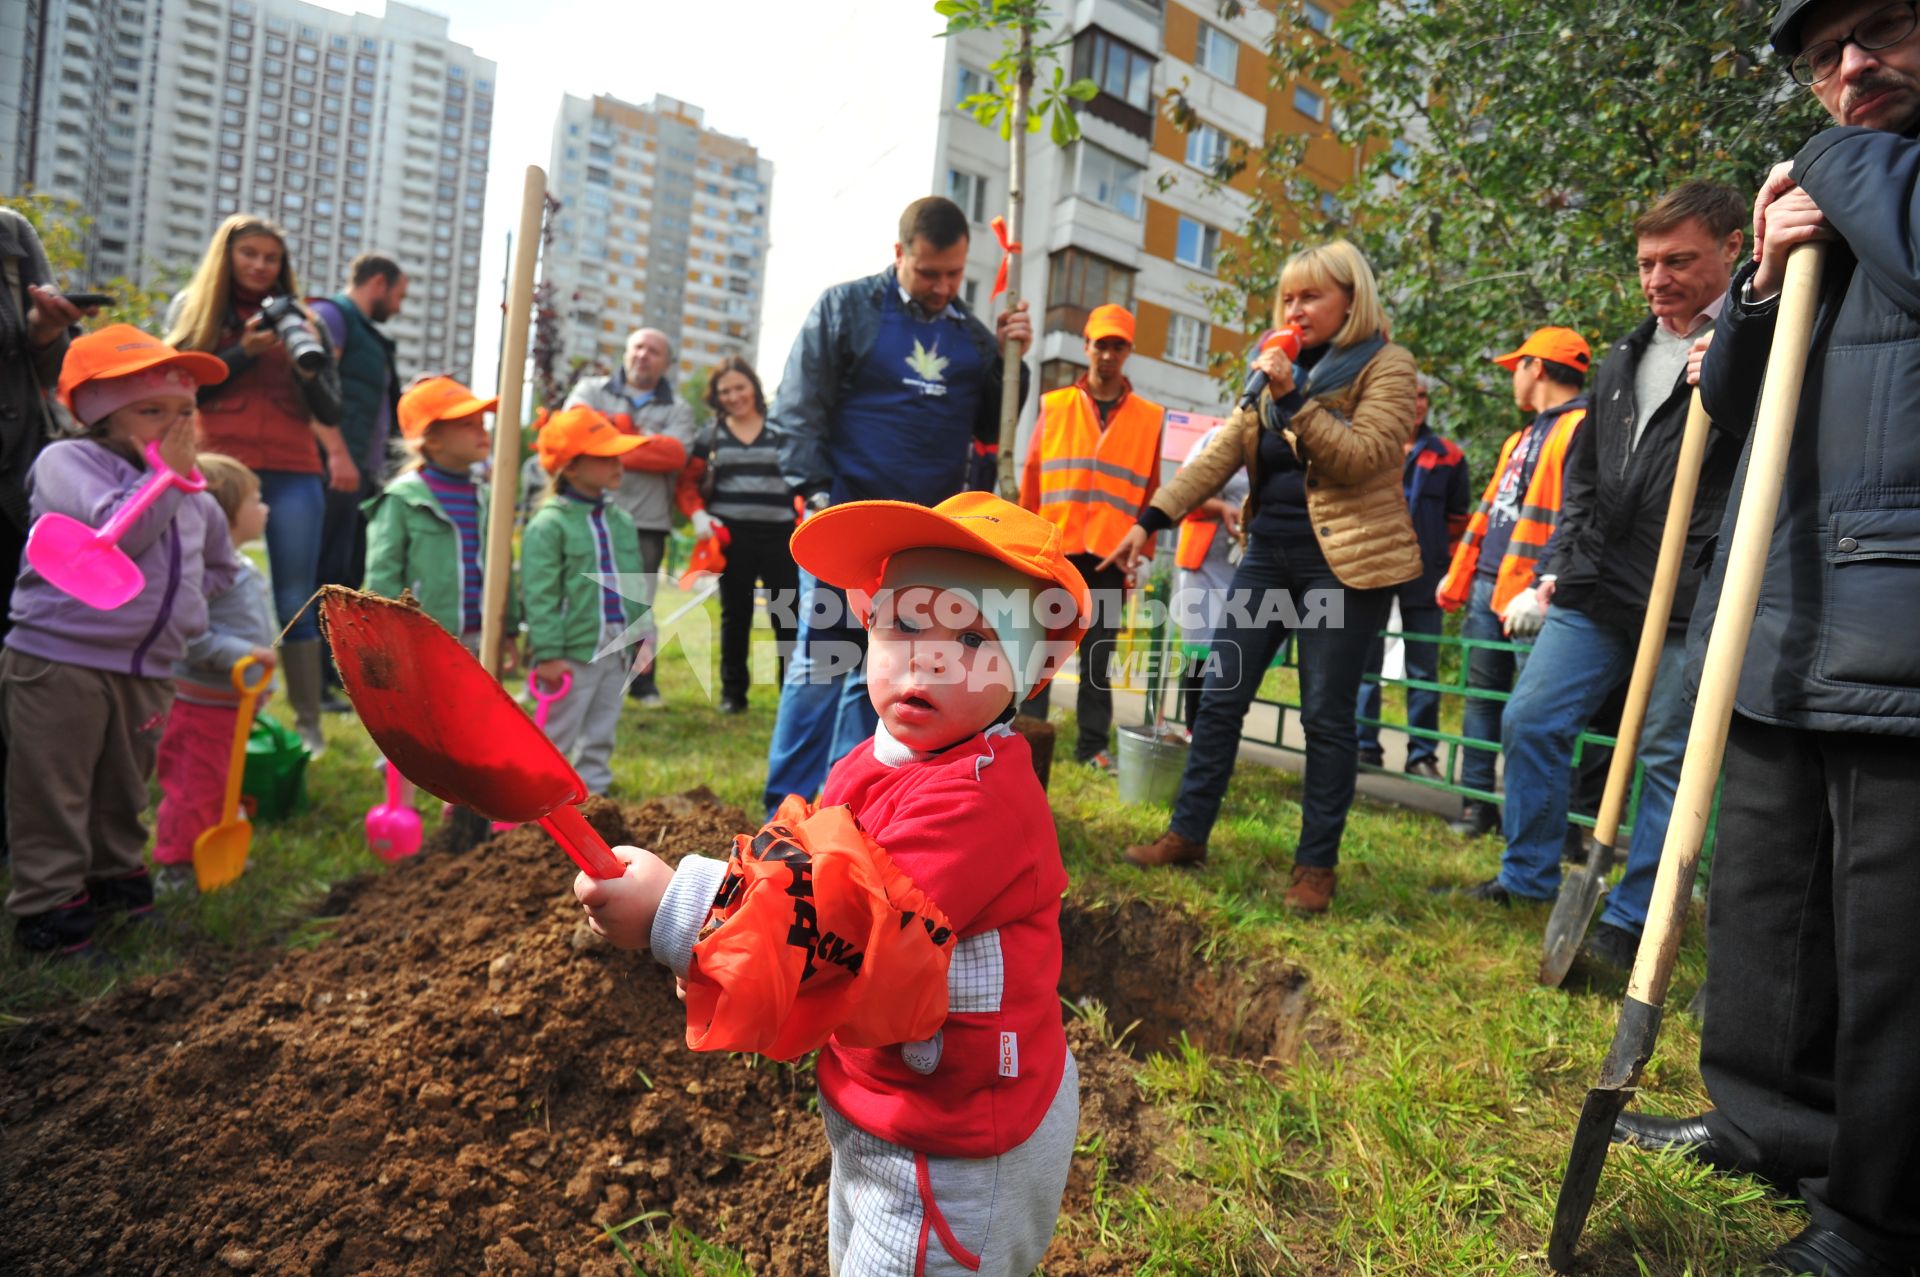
pixel 1150 764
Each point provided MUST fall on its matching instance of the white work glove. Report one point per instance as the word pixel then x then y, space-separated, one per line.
pixel 704 524
pixel 1524 615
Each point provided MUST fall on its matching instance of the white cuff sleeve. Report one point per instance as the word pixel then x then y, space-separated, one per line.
pixel 683 911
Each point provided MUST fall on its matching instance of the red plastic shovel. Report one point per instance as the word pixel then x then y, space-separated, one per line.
pixel 89 564
pixel 543 702
pixel 442 720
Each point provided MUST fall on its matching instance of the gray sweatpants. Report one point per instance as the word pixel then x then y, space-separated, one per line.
pixel 885 1220
pixel 581 724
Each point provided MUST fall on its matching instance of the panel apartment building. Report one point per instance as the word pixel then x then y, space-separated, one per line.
pixel 355 132
pixel 663 224
pixel 1123 215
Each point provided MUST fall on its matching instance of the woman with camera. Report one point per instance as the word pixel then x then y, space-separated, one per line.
pixel 277 412
pixel 1328 537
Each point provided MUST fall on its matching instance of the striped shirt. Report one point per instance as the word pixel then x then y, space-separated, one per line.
pixel 460 498
pixel 747 487
pixel 612 607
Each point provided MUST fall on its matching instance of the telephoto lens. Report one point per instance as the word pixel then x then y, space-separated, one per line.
pixel 289 323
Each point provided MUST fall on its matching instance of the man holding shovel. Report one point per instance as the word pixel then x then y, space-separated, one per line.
pixel 1812 1053
pixel 1599 566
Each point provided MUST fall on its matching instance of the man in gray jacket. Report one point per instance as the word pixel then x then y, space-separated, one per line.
pixel 641 394
pixel 1811 1050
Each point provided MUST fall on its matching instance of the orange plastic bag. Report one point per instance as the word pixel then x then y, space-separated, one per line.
pixel 709 558
pixel 816 934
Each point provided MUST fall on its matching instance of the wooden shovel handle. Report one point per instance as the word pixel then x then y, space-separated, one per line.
pixel 1732 625
pixel 1653 631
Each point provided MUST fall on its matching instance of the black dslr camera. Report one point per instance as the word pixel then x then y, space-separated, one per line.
pixel 289 323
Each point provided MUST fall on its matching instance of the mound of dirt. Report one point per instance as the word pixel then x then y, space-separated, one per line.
pixel 461 1079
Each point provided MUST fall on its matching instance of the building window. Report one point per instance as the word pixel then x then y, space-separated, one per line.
pixel 967 83
pixel 1078 281
pixel 1206 147
pixel 1197 245
pixel 1309 103
pixel 1218 54
pixel 1107 179
pixel 1187 340
pixel 969 191
pixel 1121 71
pixel 1316 17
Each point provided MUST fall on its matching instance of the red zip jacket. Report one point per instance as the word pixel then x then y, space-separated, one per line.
pixel 971 828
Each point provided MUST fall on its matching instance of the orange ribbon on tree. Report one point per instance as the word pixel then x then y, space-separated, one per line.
pixel 1008 248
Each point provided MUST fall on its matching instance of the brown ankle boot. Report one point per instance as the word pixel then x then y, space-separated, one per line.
pixel 1312 889
pixel 1168 849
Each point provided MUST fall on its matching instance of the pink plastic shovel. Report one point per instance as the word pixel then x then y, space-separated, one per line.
pixel 89 564
pixel 393 828
pixel 543 701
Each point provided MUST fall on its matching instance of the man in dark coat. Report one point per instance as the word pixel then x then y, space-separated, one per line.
pixel 1811 1051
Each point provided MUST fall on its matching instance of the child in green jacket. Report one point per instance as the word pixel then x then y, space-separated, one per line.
pixel 428 531
pixel 577 542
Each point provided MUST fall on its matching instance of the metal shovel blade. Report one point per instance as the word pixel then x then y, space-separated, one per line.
pixel 1580 894
pixel 1633 1042
pixel 437 715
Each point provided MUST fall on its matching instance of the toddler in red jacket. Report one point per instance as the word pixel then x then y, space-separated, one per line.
pixel 909 926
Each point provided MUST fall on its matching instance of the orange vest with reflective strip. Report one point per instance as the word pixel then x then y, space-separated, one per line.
pixel 1196 538
pixel 1093 481
pixel 1539 514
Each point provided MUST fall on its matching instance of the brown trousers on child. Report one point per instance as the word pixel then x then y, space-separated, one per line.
pixel 80 750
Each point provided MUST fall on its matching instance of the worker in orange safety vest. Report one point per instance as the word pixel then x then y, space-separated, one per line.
pixel 1092 465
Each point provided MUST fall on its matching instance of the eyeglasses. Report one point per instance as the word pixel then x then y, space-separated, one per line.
pixel 1880 30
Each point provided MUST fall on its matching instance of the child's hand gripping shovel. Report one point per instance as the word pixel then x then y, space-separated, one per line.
pixel 90 565
pixel 220 853
pixel 449 727
pixel 543 702
pixel 393 827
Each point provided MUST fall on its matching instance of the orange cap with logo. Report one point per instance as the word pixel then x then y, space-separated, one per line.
pixel 581 432
pixel 1110 321
pixel 1561 345
pixel 121 350
pixel 434 399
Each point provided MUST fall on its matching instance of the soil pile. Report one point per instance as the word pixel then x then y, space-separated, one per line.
pixel 461 1079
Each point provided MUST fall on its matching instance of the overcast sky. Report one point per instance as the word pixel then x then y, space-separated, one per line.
pixel 842 97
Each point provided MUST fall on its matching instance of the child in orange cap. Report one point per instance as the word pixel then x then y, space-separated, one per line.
pixel 86 692
pixel 582 581
pixel 950 1150
pixel 427 532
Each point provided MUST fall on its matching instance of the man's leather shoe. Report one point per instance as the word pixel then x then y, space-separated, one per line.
pixel 1490 891
pixel 1168 849
pixel 1821 1252
pixel 1476 819
pixel 1425 769
pixel 1690 1136
pixel 1612 949
pixel 1311 890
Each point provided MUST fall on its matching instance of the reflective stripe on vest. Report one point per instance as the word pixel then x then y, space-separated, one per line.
pixel 1539 515
pixel 1093 481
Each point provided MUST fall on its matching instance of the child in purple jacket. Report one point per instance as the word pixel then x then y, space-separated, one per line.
pixel 84 693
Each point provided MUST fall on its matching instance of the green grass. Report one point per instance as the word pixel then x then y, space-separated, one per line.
pixel 1422 1130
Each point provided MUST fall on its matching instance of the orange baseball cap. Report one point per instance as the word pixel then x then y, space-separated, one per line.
pixel 1110 321
pixel 121 350
pixel 438 399
pixel 849 545
pixel 1561 345
pixel 581 432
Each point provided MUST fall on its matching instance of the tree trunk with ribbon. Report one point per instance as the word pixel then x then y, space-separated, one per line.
pixel 1008 280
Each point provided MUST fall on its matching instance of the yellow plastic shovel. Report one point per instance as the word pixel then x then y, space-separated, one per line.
pixel 220 853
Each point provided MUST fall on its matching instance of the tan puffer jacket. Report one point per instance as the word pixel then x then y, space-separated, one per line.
pixel 1352 444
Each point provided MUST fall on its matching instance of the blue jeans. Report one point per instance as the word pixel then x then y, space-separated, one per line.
pixel 1490 669
pixel 1575 663
pixel 1423 665
pixel 824 710
pixel 1330 660
pixel 294 532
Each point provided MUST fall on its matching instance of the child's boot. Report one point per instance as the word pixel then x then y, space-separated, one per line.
pixel 61 931
pixel 301 661
pixel 130 894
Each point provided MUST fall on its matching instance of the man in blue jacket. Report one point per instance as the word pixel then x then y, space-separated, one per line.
pixel 1811 1048
pixel 888 387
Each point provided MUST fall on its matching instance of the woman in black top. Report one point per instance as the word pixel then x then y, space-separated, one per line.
pixel 732 482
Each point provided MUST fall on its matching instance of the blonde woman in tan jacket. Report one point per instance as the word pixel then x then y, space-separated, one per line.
pixel 1328 537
